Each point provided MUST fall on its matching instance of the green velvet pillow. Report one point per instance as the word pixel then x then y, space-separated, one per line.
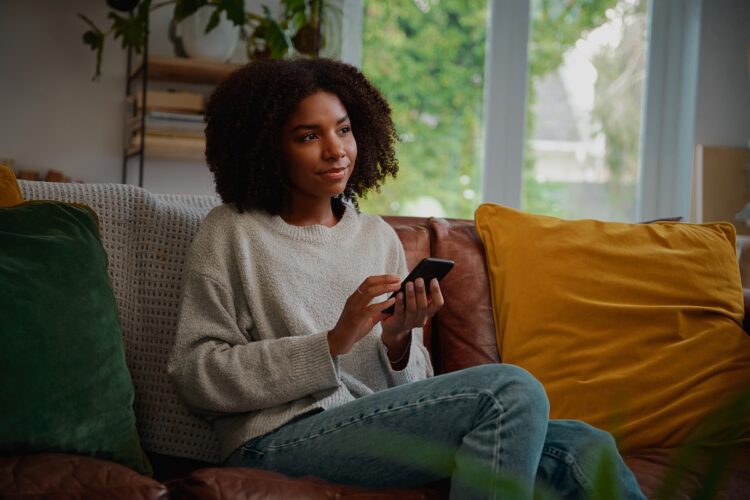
pixel 65 385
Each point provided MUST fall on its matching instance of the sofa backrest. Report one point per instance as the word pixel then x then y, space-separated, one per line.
pixel 147 238
pixel 462 334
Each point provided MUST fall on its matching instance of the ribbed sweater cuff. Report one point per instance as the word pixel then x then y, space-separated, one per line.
pixel 312 363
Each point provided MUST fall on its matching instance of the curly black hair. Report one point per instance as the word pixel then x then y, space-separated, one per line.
pixel 247 111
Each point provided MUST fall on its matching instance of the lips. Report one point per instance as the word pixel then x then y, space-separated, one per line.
pixel 334 173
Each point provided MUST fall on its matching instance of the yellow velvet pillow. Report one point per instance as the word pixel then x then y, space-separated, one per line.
pixel 633 328
pixel 10 195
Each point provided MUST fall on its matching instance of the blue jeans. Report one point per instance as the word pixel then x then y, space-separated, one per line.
pixel 485 427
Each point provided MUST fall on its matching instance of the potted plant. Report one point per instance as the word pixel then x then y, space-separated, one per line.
pixel 296 30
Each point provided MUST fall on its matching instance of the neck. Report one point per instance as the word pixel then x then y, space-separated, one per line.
pixel 305 213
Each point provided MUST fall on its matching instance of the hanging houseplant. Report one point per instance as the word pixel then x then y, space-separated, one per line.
pixel 295 31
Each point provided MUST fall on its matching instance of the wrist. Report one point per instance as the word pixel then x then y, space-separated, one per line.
pixel 335 346
pixel 395 341
pixel 400 357
pixel 395 335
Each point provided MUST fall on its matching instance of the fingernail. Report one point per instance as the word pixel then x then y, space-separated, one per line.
pixel 434 282
pixel 409 286
pixel 419 282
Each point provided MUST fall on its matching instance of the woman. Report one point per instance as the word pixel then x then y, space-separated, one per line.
pixel 282 341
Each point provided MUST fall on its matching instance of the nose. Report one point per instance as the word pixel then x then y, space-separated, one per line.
pixel 334 148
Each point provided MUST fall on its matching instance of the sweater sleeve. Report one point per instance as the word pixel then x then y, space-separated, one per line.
pixel 419 366
pixel 217 370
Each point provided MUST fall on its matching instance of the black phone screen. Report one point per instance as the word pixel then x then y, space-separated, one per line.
pixel 427 269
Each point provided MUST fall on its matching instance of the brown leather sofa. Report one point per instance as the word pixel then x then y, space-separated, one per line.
pixel 461 335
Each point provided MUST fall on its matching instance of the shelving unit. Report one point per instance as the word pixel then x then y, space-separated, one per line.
pixel 185 70
pixel 180 71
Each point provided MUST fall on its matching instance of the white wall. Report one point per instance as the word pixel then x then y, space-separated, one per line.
pixel 52 116
pixel 723 102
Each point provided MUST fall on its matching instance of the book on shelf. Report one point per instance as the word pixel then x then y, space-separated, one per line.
pixel 175 116
pixel 172 101
pixel 174 147
pixel 187 134
pixel 166 127
pixel 173 140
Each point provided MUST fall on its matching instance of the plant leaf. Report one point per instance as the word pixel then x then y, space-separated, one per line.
pixel 235 10
pixel 294 7
pixel 299 20
pixel 277 40
pixel 94 38
pixel 143 9
pixel 213 21
pixel 131 30
pixel 186 8
pixel 89 22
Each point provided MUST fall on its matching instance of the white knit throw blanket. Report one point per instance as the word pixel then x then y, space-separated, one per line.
pixel 147 238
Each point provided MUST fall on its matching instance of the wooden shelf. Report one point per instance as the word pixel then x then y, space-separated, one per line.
pixel 186 70
pixel 177 148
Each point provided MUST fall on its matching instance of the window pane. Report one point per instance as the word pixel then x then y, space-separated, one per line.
pixel 586 75
pixel 427 57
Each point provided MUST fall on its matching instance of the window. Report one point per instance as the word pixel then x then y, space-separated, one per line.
pixel 583 117
pixel 427 57
pixel 587 107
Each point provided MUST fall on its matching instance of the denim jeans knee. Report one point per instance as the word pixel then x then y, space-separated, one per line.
pixel 502 378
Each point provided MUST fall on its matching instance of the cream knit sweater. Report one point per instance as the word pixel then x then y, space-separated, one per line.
pixel 258 299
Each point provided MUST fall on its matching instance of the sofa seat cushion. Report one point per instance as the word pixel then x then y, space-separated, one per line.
pixel 241 483
pixel 63 476
pixel 633 328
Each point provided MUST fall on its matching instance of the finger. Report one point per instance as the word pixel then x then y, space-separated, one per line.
pixel 378 285
pixel 399 308
pixel 421 295
pixel 436 296
pixel 410 303
pixel 381 279
pixel 376 310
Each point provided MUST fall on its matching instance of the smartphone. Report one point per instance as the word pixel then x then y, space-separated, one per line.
pixel 426 269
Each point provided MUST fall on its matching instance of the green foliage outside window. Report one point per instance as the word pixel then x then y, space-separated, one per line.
pixel 430 67
pixel 429 63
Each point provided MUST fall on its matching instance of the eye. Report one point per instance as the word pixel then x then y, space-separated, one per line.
pixel 308 137
pixel 345 129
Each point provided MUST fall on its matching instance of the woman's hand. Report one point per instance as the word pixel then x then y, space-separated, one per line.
pixel 359 315
pixel 412 311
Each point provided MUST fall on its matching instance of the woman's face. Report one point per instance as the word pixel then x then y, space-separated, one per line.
pixel 318 147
